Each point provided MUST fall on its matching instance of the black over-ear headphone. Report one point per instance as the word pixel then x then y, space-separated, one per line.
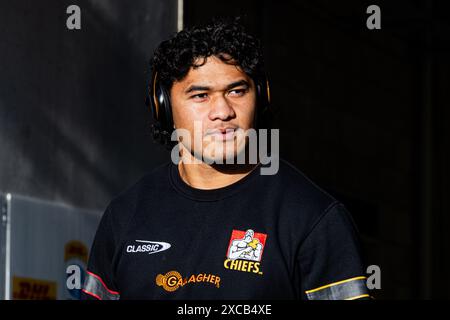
pixel 158 100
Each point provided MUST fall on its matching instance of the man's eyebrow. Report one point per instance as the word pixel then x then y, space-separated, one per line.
pixel 196 88
pixel 237 84
pixel 206 88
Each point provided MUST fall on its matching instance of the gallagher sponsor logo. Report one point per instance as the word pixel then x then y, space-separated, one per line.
pixel 173 280
pixel 245 251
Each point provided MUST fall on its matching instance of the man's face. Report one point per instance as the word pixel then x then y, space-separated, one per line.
pixel 220 98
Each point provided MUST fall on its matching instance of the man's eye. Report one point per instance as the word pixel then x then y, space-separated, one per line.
pixel 238 92
pixel 200 96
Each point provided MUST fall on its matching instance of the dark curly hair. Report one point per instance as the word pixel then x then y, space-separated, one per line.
pixel 224 38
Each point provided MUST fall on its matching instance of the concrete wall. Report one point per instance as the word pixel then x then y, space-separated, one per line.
pixel 73 123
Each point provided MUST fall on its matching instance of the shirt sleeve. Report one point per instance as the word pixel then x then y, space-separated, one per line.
pixel 330 261
pixel 99 279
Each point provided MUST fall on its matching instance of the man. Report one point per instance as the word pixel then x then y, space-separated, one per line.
pixel 202 228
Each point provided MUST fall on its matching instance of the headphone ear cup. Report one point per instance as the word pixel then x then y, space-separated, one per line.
pixel 150 103
pixel 164 114
pixel 159 102
pixel 152 100
pixel 166 107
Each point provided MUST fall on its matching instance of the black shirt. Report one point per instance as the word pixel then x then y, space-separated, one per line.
pixel 264 237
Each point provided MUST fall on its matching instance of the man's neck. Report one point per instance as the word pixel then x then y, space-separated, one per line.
pixel 205 176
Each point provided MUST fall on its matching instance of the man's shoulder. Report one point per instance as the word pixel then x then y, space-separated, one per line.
pixel 298 188
pixel 145 187
pixel 297 181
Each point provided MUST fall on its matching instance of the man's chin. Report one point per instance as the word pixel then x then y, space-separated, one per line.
pixel 218 155
pixel 210 158
pixel 226 157
pixel 219 160
pixel 223 152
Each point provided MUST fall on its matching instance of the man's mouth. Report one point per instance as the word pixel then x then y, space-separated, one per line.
pixel 223 134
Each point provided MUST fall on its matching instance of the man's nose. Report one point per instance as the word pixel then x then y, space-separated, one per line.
pixel 221 109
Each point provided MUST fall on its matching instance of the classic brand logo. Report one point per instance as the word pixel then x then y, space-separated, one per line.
pixel 245 251
pixel 149 247
pixel 173 280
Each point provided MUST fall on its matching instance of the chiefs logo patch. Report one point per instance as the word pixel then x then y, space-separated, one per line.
pixel 245 251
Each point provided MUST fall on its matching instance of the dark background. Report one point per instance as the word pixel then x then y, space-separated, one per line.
pixel 361 112
pixel 364 113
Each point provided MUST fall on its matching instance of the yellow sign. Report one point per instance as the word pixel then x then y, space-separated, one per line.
pixel 75 249
pixel 33 289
